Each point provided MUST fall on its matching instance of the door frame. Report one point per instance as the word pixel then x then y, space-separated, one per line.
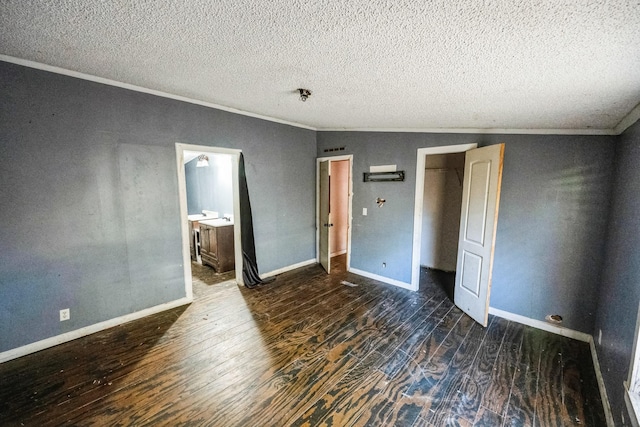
pixel 348 157
pixel 184 222
pixel 419 200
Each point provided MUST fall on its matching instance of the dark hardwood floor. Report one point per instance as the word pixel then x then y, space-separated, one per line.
pixel 307 350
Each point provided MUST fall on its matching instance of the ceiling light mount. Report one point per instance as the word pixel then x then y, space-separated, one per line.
pixel 304 94
pixel 203 161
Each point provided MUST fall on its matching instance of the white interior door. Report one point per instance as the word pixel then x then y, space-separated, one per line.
pixel 324 216
pixel 478 222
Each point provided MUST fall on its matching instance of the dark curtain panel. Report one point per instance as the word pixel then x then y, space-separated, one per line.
pixel 250 263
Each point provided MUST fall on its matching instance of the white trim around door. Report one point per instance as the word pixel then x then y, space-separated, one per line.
pixel 348 157
pixel 184 223
pixel 419 198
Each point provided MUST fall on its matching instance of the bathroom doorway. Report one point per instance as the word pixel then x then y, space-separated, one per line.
pixel 210 213
pixel 334 184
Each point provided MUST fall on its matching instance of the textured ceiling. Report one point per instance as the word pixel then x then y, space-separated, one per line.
pixel 371 64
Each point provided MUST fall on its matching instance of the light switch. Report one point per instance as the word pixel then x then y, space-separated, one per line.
pixel 364 211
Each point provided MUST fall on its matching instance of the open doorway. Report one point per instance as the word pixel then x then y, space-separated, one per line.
pixel 419 239
pixel 210 213
pixel 334 183
pixel 208 178
pixel 478 218
pixel 442 200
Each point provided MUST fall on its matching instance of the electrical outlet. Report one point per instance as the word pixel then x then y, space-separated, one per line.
pixel 384 265
pixel 599 336
pixel 65 314
pixel 364 211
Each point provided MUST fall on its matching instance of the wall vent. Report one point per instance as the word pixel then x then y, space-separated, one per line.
pixel 330 150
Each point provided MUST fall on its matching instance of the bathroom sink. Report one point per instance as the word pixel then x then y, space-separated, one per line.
pixel 196 217
pixel 216 222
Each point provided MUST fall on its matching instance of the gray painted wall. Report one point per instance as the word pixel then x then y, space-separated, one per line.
pixel 620 290
pixel 90 220
pixel 89 198
pixel 210 187
pixel 551 227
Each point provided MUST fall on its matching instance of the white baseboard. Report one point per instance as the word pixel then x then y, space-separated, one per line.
pixel 569 333
pixel 288 268
pixel 603 391
pixel 87 330
pixel 539 324
pixel 379 278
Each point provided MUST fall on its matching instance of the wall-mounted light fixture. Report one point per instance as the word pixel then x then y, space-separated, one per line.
pixel 304 94
pixel 383 176
pixel 203 161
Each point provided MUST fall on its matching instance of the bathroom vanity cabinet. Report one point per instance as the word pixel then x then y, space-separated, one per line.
pixel 216 245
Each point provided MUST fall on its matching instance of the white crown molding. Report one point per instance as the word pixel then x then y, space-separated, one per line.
pixel 89 77
pixel 496 131
pixel 631 118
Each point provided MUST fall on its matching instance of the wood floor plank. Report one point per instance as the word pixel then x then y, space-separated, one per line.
pixel 448 420
pixel 203 380
pixel 340 404
pixel 307 350
pixel 438 365
pixel 550 410
pixel 572 391
pixel 406 412
pixel 406 352
pixel 496 396
pixel 577 360
pixel 448 398
pixel 523 399
pixel 375 412
pixel 462 394
pixel 191 354
pixel 312 369
pixel 230 331
pixel 343 356
pixel 404 404
pixel 487 418
pixel 343 403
